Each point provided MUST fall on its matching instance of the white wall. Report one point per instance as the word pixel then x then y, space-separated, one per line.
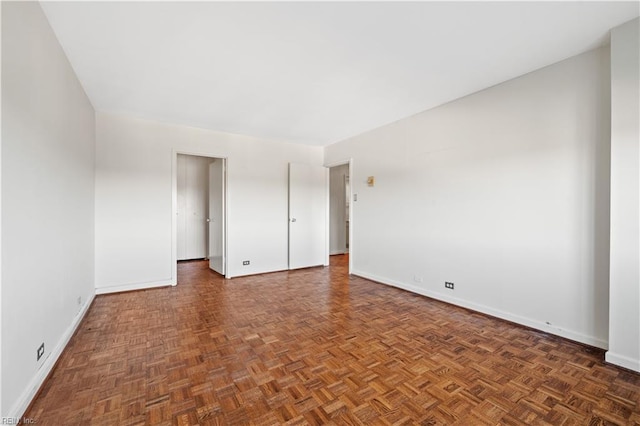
pixel 337 209
pixel 193 206
pixel 134 197
pixel 624 301
pixel 504 193
pixel 48 134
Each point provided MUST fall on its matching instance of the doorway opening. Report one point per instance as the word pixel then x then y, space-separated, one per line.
pixel 340 210
pixel 200 210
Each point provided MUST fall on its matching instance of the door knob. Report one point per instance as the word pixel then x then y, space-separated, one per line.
pixel 293 219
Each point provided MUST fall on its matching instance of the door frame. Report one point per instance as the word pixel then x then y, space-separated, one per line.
pixel 349 162
pixel 174 208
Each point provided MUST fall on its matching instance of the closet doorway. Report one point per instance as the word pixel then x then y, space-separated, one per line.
pixel 200 210
pixel 339 209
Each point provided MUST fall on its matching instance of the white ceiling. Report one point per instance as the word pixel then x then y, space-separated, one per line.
pixel 312 73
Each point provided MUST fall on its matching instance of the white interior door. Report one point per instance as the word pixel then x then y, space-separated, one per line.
pixel 307 215
pixel 216 216
pixel 181 177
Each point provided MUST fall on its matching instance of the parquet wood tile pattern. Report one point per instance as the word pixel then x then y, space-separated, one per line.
pixel 314 347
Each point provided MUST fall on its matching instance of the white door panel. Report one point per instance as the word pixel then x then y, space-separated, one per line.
pixel 307 215
pixel 182 207
pixel 216 216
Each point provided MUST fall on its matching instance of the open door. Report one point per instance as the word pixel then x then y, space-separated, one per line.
pixel 307 215
pixel 216 216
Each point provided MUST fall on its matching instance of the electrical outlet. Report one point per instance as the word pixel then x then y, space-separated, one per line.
pixel 40 352
pixel 448 285
pixel 79 300
pixel 245 262
pixel 417 278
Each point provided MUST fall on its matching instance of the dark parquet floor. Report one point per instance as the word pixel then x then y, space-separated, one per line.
pixel 318 347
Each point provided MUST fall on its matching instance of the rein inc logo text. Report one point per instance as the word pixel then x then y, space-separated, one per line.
pixel 17 420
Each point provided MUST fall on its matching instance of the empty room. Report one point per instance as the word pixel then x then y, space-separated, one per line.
pixel 320 213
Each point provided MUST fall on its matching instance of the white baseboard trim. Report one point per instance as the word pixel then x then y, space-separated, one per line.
pixel 135 286
pixel 622 361
pixel 19 408
pixel 252 273
pixel 568 334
